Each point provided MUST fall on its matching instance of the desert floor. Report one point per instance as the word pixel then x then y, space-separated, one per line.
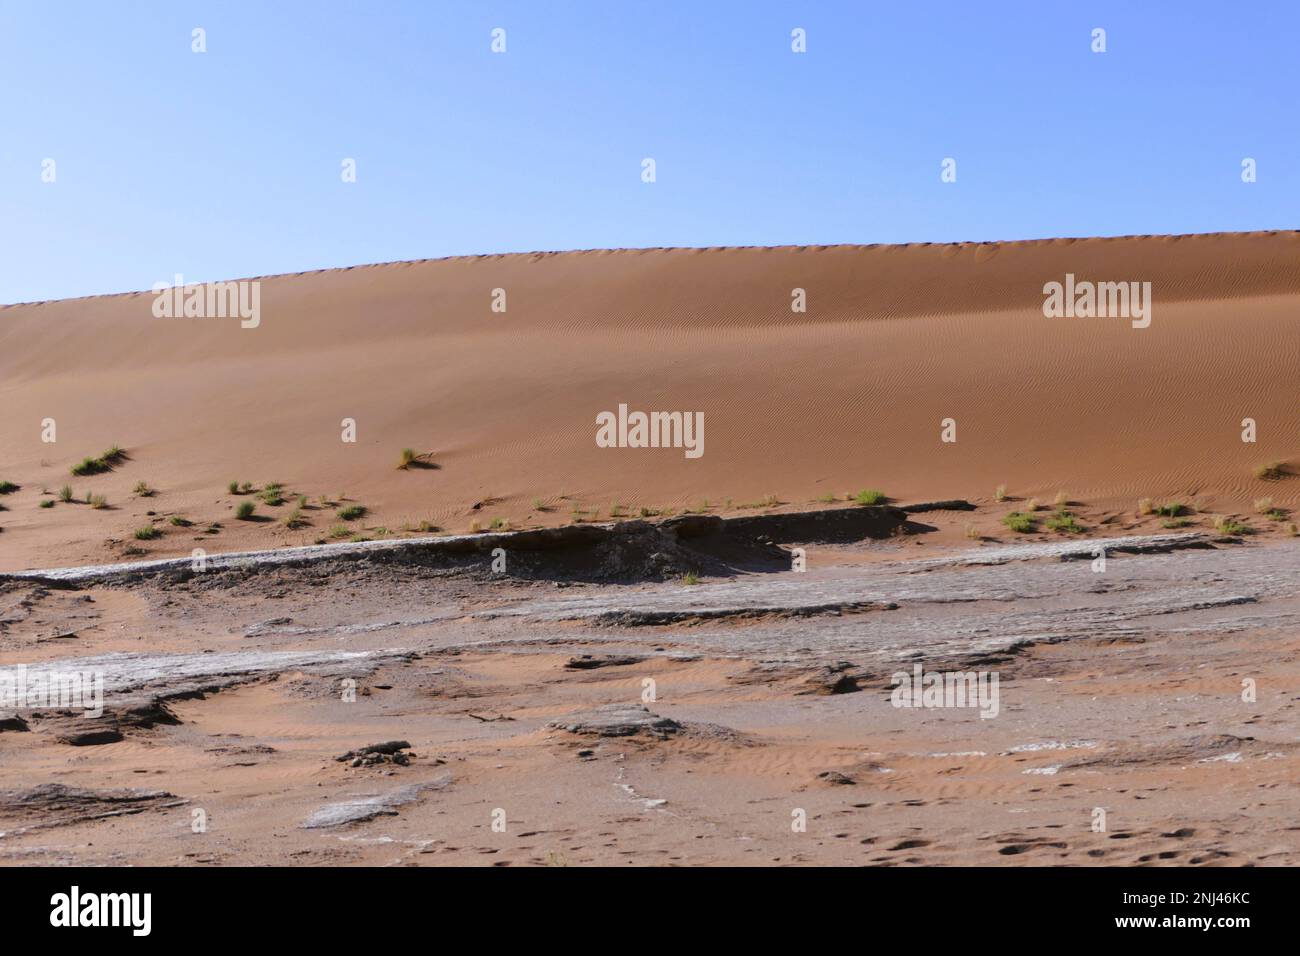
pixel 520 699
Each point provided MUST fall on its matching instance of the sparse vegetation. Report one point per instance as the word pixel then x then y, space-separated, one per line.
pixel 245 510
pixel 427 527
pixel 8 487
pixel 1062 499
pixel 147 533
pixel 1146 506
pixel 47 503
pixel 1172 523
pixel 1275 514
pixel 499 524
pixel 340 531
pixel 143 490
pixel 352 512
pixel 827 499
pixel 295 520
pixel 1263 506
pixel 869 496
pixel 1031 505
pixel 181 522
pixel 408 458
pixel 973 532
pixel 65 494
pixel 1020 522
pixel 272 494
pixel 1270 471
pixel 1000 493
pixel 616 510
pixel 1293 530
pixel 650 512
pixel 1170 509
pixel 233 487
pixel 691 578
pixel 98 502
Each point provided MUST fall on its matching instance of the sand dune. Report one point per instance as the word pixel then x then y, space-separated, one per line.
pixel 849 394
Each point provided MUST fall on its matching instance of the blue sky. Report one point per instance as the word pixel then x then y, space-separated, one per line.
pixel 227 164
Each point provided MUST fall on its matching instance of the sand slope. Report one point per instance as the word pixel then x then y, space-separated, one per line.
pixel 848 395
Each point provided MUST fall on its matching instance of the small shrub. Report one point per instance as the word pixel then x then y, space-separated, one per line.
pixel 1293 530
pixel 180 522
pixel 98 502
pixel 295 520
pixel 340 531
pixel 246 487
pixel 113 455
pixel 233 487
pixel 1230 526
pixel 47 503
pixel 691 578
pixel 1263 505
pixel 90 466
pixel 1031 505
pixel 1064 521
pixel 650 512
pixel 8 487
pixel 147 533
pixel 245 510
pixel 827 499
pixel 1146 506
pixel 869 496
pixel 1000 493
pixel 1019 521
pixel 1175 522
pixel 143 490
pixel 973 532
pixel 1270 471
pixel 499 524
pixel 1062 499
pixel 351 512
pixel 427 527
pixel 1170 509
pixel 1275 514
pixel 65 493
pixel 270 495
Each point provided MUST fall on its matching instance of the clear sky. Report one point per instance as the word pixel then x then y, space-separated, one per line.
pixel 227 164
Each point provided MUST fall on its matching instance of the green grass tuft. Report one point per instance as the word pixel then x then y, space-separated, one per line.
pixel 1020 522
